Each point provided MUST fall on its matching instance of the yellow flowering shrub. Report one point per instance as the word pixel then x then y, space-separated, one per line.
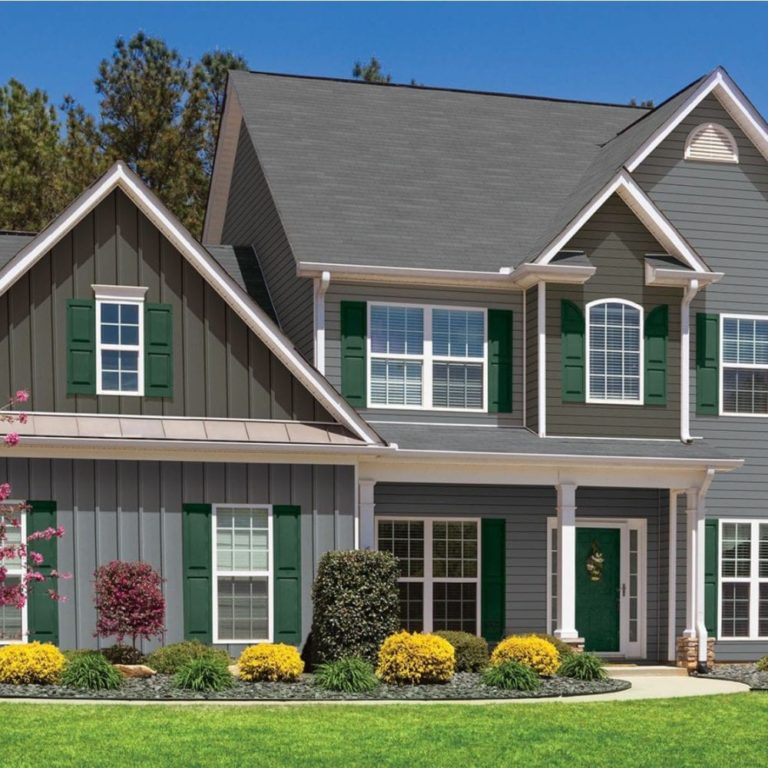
pixel 271 663
pixel 534 652
pixel 40 663
pixel 406 658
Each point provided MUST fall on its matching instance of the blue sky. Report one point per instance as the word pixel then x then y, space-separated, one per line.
pixel 595 51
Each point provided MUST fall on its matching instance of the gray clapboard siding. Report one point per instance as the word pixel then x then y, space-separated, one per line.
pixel 131 510
pixel 252 218
pixel 616 243
pixel 526 509
pixel 465 297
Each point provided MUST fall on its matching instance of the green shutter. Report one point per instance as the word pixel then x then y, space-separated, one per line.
pixel 711 546
pixel 499 361
pixel 197 554
pixel 354 316
pixel 493 578
pixel 158 350
pixel 572 351
pixel 81 347
pixel 42 610
pixel 287 610
pixel 707 364
pixel 656 335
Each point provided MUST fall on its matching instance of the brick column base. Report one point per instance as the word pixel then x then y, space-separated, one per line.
pixel 688 653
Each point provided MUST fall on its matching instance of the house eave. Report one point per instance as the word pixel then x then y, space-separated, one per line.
pixel 527 275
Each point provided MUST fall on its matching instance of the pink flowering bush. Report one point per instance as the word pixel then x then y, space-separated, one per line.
pixel 130 601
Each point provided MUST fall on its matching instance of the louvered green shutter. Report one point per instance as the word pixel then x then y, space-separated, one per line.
pixel 572 351
pixel 42 610
pixel 707 364
pixel 493 578
pixel 711 546
pixel 499 361
pixel 81 347
pixel 287 560
pixel 158 350
pixel 197 554
pixel 656 335
pixel 353 363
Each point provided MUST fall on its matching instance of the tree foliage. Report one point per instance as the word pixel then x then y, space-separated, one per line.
pixel 371 72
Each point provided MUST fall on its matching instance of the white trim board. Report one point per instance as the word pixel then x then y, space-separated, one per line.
pixel 119 176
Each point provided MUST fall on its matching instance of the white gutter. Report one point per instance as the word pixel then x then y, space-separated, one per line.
pixel 321 287
pixel 685 360
pixel 542 357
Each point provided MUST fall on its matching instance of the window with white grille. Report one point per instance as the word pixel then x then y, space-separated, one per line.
pixel 744 368
pixel 711 143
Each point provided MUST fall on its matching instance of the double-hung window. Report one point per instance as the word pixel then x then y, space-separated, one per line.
pixel 242 565
pixel 743 579
pixel 744 367
pixel 13 620
pixel 427 357
pixel 439 562
pixel 614 352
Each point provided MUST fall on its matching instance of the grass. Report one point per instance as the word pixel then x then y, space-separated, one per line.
pixel 701 732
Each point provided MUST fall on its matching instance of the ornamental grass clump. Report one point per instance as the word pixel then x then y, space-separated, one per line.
pixel 350 675
pixel 207 673
pixel 169 659
pixel 36 663
pixel 583 666
pixel 415 659
pixel 531 651
pixel 271 663
pixel 91 671
pixel 512 676
pixel 471 650
pixel 762 664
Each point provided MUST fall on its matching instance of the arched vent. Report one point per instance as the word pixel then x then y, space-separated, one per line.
pixel 712 143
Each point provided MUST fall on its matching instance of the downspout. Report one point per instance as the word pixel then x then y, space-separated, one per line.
pixel 321 286
pixel 541 357
pixel 685 360
pixel 701 627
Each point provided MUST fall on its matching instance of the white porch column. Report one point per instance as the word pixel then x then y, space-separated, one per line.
pixel 672 578
pixel 691 550
pixel 566 562
pixel 365 506
pixel 541 359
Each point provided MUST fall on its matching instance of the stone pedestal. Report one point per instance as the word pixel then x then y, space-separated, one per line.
pixel 576 644
pixel 688 653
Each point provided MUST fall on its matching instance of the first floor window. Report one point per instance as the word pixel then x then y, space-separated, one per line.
pixel 744 355
pixel 744 579
pixel 439 572
pixel 242 573
pixel 12 619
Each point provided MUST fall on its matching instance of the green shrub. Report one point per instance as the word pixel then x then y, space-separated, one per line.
pixel 76 653
pixel 350 675
pixel 92 672
pixel 206 673
pixel 471 651
pixel 562 648
pixel 356 604
pixel 512 676
pixel 582 666
pixel 169 659
pixel 122 654
pixel 762 664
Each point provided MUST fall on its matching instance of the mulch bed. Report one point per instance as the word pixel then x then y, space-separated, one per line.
pixel 464 686
pixel 741 673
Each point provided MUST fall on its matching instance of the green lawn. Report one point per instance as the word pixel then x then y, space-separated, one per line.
pixel 707 731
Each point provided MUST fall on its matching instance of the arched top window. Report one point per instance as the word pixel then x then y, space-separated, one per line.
pixel 614 352
pixel 711 143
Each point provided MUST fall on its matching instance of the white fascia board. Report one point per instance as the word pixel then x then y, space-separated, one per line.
pixel 527 275
pixel 678 278
pixel 120 176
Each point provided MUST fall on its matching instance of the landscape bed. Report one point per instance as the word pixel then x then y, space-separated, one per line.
pixel 748 674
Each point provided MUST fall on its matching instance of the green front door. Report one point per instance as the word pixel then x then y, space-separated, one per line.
pixel 598 575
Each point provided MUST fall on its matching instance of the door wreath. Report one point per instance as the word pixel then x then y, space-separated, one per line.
pixel 595 563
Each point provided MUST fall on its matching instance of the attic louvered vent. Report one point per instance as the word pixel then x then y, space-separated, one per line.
pixel 712 143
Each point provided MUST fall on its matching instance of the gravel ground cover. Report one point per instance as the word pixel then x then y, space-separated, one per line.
pixel 464 685
pixel 741 673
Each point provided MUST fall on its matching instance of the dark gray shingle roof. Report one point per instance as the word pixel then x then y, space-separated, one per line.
pixel 11 243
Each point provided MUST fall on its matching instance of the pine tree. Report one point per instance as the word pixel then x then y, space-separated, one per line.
pixel 370 72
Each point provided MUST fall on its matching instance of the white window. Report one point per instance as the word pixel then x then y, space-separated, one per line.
pixel 13 621
pixel 439 571
pixel 614 352
pixel 427 357
pixel 743 579
pixel 242 566
pixel 711 143
pixel 744 365
pixel 119 340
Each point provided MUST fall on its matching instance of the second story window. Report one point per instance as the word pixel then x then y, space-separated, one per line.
pixel 744 368
pixel 614 351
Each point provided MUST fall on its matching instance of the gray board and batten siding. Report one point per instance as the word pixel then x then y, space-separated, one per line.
pixel 616 243
pixel 220 368
pixel 132 510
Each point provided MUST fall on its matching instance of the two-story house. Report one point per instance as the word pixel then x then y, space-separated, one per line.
pixel 520 342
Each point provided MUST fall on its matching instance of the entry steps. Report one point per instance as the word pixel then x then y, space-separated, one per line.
pixel 623 671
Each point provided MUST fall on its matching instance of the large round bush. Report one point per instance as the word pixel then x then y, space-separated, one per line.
pixel 531 651
pixel 270 663
pixel 471 650
pixel 411 659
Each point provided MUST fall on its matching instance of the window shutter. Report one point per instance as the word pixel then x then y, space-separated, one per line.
pixel 707 364
pixel 572 351
pixel 711 546
pixel 656 335
pixel 158 350
pixel 287 578
pixel 197 555
pixel 499 361
pixel 353 362
pixel 42 610
pixel 493 578
pixel 81 347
